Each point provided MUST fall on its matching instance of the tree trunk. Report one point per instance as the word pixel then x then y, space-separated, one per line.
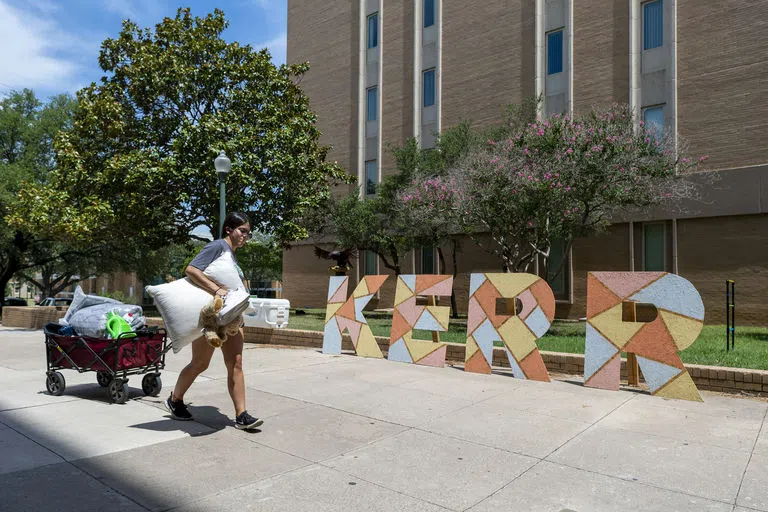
pixel 441 256
pixel 394 266
pixel 5 276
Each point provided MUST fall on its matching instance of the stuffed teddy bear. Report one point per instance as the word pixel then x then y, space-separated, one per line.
pixel 217 334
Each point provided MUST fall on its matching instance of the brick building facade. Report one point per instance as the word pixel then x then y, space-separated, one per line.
pixel 384 71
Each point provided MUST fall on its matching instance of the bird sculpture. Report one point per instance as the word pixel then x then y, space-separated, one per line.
pixel 341 257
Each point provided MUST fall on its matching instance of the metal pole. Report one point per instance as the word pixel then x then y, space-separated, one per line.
pixel 222 206
pixel 733 314
pixel 727 316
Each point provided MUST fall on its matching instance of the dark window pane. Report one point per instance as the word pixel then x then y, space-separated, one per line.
pixel 653 24
pixel 372 103
pixel 555 52
pixel 371 177
pixel 557 282
pixel 429 13
pixel 373 30
pixel 369 264
pixel 427 260
pixel 653 247
pixel 429 88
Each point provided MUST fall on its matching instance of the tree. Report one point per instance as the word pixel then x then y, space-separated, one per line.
pixel 27 130
pixel 565 177
pixel 426 203
pixel 138 162
pixel 371 224
pixel 261 259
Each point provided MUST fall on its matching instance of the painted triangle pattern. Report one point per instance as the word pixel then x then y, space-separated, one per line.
pixel 657 374
pixel 597 352
pixel 335 285
pixel 408 316
pixel 519 334
pixel 398 352
pixel 678 323
pixel 475 280
pixel 346 313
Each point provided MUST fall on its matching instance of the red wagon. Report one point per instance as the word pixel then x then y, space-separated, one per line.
pixel 113 360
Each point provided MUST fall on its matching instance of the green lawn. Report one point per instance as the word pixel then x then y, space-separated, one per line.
pixel 751 342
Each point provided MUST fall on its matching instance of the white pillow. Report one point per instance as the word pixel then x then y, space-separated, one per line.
pixel 223 270
pixel 180 302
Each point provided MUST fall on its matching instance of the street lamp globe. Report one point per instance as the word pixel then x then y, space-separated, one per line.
pixel 222 164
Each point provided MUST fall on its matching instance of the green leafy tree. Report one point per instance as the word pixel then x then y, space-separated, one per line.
pixel 138 162
pixel 27 130
pixel 371 224
pixel 261 259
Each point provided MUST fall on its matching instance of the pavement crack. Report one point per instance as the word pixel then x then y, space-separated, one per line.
pixel 751 453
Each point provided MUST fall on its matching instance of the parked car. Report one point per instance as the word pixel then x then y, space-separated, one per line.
pixel 56 301
pixel 15 301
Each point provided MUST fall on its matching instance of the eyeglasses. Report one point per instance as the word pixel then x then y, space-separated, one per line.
pixel 245 232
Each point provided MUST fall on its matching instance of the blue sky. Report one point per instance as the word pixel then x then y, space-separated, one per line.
pixel 52 46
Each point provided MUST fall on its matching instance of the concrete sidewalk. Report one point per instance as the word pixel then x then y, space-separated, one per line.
pixel 347 433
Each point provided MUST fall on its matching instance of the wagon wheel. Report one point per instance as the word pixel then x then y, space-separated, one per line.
pixel 55 383
pixel 151 384
pixel 103 378
pixel 118 391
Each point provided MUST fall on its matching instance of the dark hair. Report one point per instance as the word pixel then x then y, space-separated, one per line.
pixel 233 220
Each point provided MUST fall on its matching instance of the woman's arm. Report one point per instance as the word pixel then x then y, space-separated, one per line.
pixel 206 283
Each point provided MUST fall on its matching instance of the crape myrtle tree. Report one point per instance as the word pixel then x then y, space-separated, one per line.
pixel 138 162
pixel 564 177
pixel 426 201
pixel 429 203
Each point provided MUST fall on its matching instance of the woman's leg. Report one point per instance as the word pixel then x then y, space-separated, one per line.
pixel 201 356
pixel 232 350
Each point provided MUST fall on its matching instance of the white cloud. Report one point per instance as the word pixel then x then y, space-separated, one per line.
pixel 29 44
pixel 123 8
pixel 275 9
pixel 143 12
pixel 277 47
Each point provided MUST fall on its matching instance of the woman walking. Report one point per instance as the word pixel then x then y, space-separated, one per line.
pixel 237 230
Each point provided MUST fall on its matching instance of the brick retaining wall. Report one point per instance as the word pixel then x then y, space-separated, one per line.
pixel 713 378
pixel 32 317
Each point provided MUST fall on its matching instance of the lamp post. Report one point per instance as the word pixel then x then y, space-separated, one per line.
pixel 222 165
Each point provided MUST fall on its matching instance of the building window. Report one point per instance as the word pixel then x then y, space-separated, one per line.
pixel 653 247
pixel 555 52
pixel 428 260
pixel 373 30
pixel 372 103
pixel 653 24
pixel 429 87
pixel 653 117
pixel 369 263
pixel 558 279
pixel 371 177
pixel 429 13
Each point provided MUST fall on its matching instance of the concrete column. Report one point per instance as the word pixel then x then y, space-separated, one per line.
pixel 540 64
pixel 634 59
pixel 361 99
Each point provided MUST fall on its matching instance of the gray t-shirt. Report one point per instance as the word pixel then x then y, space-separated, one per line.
pixel 210 253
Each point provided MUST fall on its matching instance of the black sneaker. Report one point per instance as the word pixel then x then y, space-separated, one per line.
pixel 245 421
pixel 177 409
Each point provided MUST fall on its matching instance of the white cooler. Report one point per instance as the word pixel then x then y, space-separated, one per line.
pixel 269 313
